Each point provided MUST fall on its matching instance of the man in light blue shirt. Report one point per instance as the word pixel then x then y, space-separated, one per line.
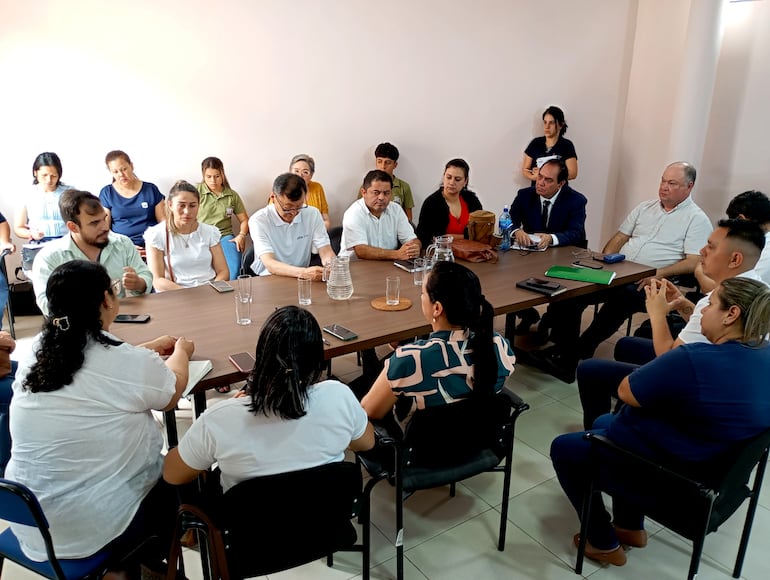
pixel 90 238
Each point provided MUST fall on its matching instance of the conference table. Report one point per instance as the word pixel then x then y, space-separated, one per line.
pixel 207 317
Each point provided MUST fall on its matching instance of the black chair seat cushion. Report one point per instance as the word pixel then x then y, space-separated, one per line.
pixel 426 477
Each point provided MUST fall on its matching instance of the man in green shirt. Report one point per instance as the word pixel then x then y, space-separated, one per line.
pixel 386 159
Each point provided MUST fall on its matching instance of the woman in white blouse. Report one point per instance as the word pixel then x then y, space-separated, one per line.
pixel 181 252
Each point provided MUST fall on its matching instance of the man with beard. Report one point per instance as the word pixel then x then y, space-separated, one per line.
pixel 90 238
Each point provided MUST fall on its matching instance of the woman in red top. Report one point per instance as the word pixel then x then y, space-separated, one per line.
pixel 446 210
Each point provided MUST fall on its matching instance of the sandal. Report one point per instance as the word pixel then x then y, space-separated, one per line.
pixel 223 389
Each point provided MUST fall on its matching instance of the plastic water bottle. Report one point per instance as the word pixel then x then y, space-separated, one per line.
pixel 505 229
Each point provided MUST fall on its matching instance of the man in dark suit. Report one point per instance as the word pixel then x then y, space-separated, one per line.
pixel 553 212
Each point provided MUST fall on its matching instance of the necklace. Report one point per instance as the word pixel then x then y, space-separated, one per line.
pixel 186 239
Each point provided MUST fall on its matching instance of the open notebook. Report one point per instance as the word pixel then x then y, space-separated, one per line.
pixel 197 370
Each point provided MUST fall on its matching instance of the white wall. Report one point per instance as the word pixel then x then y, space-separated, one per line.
pixel 255 82
pixel 172 82
pixel 737 154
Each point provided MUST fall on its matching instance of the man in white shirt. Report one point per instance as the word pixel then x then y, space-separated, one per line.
pixel 90 238
pixel 667 234
pixel 733 250
pixel 753 206
pixel 373 229
pixel 286 231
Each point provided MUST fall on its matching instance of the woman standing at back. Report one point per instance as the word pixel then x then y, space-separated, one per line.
pixel 551 145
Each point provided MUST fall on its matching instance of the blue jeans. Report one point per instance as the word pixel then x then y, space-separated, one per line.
pixel 232 256
pixel 570 456
pixel 3 296
pixel 5 402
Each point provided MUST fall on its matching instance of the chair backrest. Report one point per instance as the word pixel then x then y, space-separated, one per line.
pixel 450 434
pixel 335 237
pixel 246 261
pixel 19 505
pixel 280 521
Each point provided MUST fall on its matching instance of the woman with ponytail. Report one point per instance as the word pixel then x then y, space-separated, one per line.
pixel 287 421
pixel 84 439
pixel 462 358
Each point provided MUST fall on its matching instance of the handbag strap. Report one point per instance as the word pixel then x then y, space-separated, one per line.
pixel 168 256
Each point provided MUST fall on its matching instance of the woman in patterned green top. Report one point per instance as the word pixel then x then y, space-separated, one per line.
pixel 463 356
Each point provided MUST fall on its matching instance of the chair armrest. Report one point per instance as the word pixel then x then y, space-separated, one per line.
pixel 597 440
pixel 517 403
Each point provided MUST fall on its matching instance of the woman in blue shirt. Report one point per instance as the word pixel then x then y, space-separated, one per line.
pixel 133 205
pixel 684 407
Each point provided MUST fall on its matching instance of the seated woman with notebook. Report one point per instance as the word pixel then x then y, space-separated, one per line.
pixel 288 419
pixel 84 440
pixel 181 251
pixel 462 358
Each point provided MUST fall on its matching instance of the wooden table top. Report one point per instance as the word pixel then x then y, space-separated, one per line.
pixel 208 317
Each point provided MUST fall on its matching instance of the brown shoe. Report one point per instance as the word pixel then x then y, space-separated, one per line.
pixel 633 538
pixel 616 556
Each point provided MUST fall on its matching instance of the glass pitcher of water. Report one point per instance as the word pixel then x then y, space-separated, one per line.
pixel 339 284
pixel 440 250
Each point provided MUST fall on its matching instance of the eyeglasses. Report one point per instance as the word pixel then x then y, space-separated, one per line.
pixel 288 210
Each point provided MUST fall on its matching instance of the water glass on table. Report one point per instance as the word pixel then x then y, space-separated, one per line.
pixel 392 290
pixel 242 308
pixel 305 290
pixel 244 286
pixel 420 264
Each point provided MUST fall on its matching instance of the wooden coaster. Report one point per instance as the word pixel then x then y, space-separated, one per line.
pixel 381 304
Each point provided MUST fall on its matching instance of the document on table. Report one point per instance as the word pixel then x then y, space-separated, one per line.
pixel 197 370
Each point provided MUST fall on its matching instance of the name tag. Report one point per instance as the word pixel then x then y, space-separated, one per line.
pixel 229 212
pixel 145 205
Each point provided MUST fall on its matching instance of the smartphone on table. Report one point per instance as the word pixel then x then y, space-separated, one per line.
pixel 134 318
pixel 220 286
pixel 586 264
pixel 339 331
pixel 243 361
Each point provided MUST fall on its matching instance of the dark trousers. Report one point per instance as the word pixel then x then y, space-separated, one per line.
pixel 598 379
pixel 619 304
pixel 570 456
pixel 155 518
pixel 6 394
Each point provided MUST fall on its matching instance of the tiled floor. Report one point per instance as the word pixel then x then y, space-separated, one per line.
pixel 448 538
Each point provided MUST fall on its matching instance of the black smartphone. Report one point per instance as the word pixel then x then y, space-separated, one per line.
pixel 584 264
pixel 137 318
pixel 340 332
pixel 220 286
pixel 243 361
pixel 544 283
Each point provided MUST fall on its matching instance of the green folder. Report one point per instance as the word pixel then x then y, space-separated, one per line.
pixel 581 274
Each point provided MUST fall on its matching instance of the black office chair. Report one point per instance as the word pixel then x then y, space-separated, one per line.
pixel 247 259
pixel 19 505
pixel 276 522
pixel 443 445
pixel 691 500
